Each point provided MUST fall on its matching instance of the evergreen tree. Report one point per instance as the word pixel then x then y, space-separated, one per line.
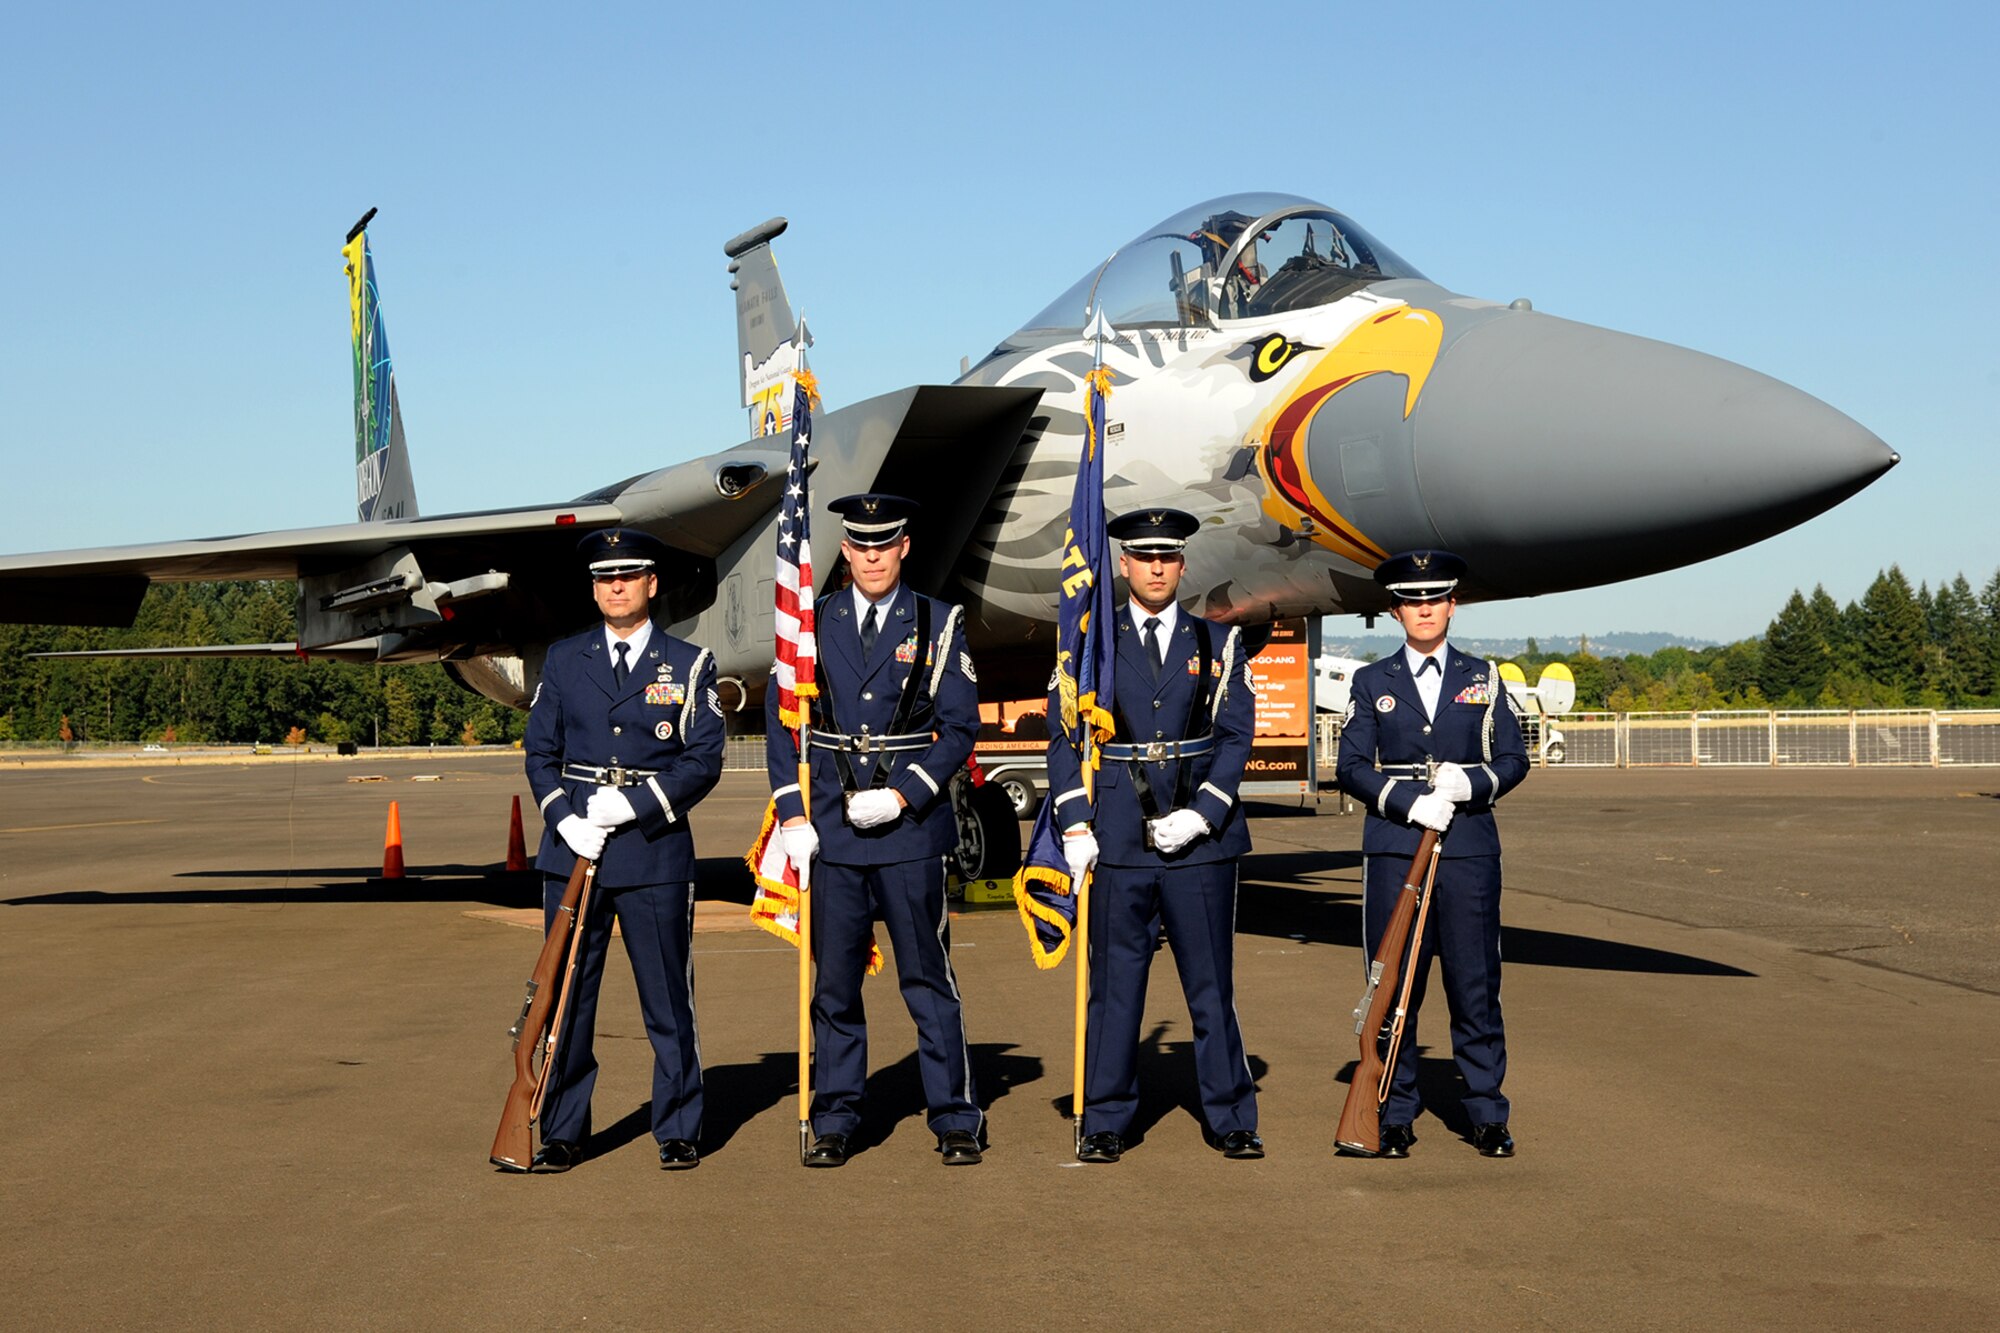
pixel 402 724
pixel 1796 655
pixel 1989 614
pixel 1893 632
pixel 1960 667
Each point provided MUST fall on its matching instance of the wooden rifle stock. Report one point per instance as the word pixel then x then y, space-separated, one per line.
pixel 514 1143
pixel 1360 1128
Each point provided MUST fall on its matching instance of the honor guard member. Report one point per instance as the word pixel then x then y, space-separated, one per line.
pixel 624 737
pixel 1167 831
pixel 1431 740
pixel 895 717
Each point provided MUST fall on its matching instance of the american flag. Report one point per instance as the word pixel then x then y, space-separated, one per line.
pixel 798 651
pixel 776 904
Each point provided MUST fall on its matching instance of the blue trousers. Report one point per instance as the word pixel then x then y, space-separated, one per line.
pixel 909 895
pixel 1197 904
pixel 657 924
pixel 1463 934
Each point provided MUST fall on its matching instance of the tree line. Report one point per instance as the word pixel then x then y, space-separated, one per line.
pixel 233 700
pixel 1894 647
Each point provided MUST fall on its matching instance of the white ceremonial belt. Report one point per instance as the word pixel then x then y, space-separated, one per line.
pixel 614 776
pixel 866 744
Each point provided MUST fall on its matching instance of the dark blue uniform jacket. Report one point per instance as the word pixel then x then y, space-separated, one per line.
pixel 1475 728
pixel 1160 712
pixel 865 692
pixel 666 718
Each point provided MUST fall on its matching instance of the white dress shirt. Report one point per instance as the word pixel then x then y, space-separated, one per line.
pixel 1168 618
pixel 862 604
pixel 1430 685
pixel 635 647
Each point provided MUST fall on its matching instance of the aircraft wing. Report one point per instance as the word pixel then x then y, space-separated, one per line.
pixel 103 585
pixel 356 650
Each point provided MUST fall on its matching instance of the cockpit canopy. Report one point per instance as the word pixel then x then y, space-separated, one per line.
pixel 1242 256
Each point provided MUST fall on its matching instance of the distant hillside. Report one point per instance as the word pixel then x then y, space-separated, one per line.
pixel 1618 644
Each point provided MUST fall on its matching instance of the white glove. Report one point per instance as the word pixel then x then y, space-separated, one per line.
pixel 801 843
pixel 609 808
pixel 1080 851
pixel 1432 811
pixel 1176 829
pixel 877 805
pixel 1452 783
pixel 584 838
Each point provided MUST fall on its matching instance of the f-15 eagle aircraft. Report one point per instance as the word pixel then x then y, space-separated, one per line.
pixel 1280 373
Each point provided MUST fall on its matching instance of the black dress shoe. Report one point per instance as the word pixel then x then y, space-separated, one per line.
pixel 1101 1147
pixel 557 1155
pixel 678 1155
pixel 1493 1140
pixel 828 1150
pixel 1396 1140
pixel 960 1147
pixel 1242 1145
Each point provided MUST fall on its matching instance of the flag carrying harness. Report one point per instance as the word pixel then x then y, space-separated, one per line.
pixel 1195 741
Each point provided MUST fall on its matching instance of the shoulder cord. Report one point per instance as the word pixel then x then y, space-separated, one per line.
pixel 694 681
pixel 1498 688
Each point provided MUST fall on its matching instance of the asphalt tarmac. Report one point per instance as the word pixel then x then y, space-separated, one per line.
pixel 1754 1059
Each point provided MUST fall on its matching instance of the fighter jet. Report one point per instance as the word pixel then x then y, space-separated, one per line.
pixel 1306 392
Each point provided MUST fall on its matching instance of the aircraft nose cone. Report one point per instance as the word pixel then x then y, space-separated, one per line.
pixel 1570 455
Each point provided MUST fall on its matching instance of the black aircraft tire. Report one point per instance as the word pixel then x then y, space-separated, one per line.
pixel 989 843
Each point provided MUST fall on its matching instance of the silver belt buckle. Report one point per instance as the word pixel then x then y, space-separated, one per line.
pixel 1156 751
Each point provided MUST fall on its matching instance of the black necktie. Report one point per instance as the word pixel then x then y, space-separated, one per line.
pixel 1429 664
pixel 618 668
pixel 870 626
pixel 1155 649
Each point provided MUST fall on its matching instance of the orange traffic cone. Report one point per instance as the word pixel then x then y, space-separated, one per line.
pixel 517 845
pixel 392 845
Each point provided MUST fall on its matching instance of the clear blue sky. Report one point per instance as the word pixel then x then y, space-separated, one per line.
pixel 1809 190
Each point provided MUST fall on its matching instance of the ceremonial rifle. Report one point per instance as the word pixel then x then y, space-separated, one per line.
pixel 539 1028
pixel 1360 1128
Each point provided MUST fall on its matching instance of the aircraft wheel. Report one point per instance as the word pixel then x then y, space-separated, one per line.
pixel 1020 794
pixel 1554 754
pixel 989 835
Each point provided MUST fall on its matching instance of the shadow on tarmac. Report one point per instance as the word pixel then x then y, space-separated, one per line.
pixel 1439 1087
pixel 1166 1084
pixel 1279 899
pixel 895 1093
pixel 717 879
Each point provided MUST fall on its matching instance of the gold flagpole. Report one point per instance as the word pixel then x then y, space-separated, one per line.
pixel 1081 944
pixel 805 938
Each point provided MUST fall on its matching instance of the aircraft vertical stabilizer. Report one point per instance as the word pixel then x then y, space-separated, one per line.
pixel 768 336
pixel 383 486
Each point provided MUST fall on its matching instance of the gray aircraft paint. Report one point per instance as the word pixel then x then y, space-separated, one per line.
pixel 1552 454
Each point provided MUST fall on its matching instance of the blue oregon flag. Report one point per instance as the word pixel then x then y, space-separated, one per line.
pixel 1085 645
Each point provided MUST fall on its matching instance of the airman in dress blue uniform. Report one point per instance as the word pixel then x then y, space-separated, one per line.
pixel 895 718
pixel 625 735
pixel 1164 832
pixel 1431 740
